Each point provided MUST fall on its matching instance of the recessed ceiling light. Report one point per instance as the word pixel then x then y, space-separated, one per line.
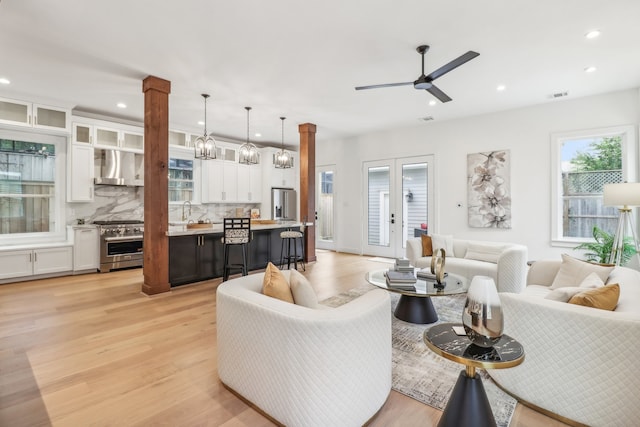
pixel 592 34
pixel 201 123
pixel 258 135
pixel 4 81
pixel 500 88
pixel 432 102
pixel 121 105
pixel 590 69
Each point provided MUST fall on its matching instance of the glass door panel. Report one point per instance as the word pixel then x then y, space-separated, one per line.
pixel 414 202
pixel 324 206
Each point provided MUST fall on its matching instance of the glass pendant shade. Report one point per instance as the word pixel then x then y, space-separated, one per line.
pixel 482 314
pixel 283 159
pixel 205 145
pixel 248 153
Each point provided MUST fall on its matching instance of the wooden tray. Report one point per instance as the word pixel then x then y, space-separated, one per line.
pixel 199 225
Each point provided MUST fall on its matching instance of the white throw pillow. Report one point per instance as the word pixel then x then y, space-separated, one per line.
pixel 303 293
pixel 592 281
pixel 488 253
pixel 573 271
pixel 444 241
pixel 564 294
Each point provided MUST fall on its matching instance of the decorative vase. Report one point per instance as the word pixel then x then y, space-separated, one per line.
pixel 482 314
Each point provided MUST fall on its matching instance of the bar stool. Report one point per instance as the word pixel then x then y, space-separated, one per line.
pixel 237 232
pixel 289 238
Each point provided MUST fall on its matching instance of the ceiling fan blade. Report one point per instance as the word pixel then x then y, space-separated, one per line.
pixel 452 65
pixel 443 97
pixel 384 85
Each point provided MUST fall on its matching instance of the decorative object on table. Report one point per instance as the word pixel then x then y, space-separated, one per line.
pixel 438 260
pixel 623 194
pixel 205 145
pixel 255 213
pixel 482 313
pixel 600 250
pixel 489 193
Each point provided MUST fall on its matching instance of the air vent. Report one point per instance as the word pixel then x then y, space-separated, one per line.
pixel 427 119
pixel 559 95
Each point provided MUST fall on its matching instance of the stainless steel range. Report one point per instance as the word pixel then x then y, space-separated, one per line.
pixel 120 244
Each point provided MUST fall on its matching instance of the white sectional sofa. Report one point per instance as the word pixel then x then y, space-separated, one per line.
pixel 302 366
pixel 506 263
pixel 580 362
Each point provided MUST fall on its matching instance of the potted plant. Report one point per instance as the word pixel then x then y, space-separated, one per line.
pixel 600 250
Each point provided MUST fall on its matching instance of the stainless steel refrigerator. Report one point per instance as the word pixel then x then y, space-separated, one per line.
pixel 283 202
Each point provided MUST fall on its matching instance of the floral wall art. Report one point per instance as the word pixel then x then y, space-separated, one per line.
pixel 489 192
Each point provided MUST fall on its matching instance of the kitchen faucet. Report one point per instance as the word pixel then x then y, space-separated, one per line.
pixel 184 217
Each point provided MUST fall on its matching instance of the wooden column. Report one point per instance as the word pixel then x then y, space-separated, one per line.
pixel 308 186
pixel 156 185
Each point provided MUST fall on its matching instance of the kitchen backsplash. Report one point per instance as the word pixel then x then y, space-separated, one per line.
pixel 116 202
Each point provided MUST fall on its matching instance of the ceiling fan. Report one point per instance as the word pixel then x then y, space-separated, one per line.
pixel 425 82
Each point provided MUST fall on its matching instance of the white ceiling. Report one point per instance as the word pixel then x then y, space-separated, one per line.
pixel 302 59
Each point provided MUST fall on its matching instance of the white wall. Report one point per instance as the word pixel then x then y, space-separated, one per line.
pixel 525 132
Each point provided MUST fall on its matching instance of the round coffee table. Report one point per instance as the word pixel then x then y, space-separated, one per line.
pixel 468 404
pixel 415 306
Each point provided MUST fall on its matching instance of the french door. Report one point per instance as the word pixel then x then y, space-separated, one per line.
pixel 325 214
pixel 398 203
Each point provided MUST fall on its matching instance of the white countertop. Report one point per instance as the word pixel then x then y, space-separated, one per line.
pixel 181 230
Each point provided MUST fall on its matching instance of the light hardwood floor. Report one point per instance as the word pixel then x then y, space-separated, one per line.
pixel 92 350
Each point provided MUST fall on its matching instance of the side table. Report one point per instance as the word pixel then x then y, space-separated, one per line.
pixel 468 404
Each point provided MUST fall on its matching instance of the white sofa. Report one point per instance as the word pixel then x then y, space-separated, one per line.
pixel 301 366
pixel 580 362
pixel 509 269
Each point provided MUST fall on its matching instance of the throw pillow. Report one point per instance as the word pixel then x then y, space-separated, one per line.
pixel 442 241
pixel 604 298
pixel 592 281
pixel 573 271
pixel 564 294
pixel 427 245
pixel 303 293
pixel 487 253
pixel 275 284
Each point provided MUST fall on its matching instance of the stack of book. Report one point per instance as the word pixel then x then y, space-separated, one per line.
pixel 402 264
pixel 402 276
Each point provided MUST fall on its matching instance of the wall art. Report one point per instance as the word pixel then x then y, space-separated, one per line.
pixel 489 189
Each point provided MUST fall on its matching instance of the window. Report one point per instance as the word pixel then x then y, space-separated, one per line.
pixel 31 188
pixel 583 163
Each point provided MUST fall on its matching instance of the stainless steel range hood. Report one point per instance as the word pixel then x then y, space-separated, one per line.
pixel 116 167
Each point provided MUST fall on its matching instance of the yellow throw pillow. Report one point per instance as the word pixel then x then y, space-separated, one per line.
pixel 427 246
pixel 275 284
pixel 604 298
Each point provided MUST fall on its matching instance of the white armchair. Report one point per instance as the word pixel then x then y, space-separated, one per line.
pixel 301 366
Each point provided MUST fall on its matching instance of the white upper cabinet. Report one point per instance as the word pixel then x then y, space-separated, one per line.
pixel 21 113
pixel 108 135
pixel 82 133
pixel 250 183
pixel 81 173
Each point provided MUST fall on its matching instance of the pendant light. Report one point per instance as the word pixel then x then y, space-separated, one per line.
pixel 248 151
pixel 205 145
pixel 283 159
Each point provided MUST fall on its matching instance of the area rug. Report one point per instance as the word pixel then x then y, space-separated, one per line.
pixel 381 259
pixel 420 373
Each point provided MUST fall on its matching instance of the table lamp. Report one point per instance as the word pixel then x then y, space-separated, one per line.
pixel 625 194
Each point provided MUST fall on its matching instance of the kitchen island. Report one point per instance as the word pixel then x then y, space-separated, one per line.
pixel 198 254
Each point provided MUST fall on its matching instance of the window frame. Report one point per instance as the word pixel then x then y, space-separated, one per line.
pixel 629 172
pixel 59 232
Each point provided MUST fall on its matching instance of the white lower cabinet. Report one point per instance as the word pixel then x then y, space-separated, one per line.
pixel 86 249
pixel 31 262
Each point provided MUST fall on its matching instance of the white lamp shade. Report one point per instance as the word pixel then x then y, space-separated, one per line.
pixel 622 194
